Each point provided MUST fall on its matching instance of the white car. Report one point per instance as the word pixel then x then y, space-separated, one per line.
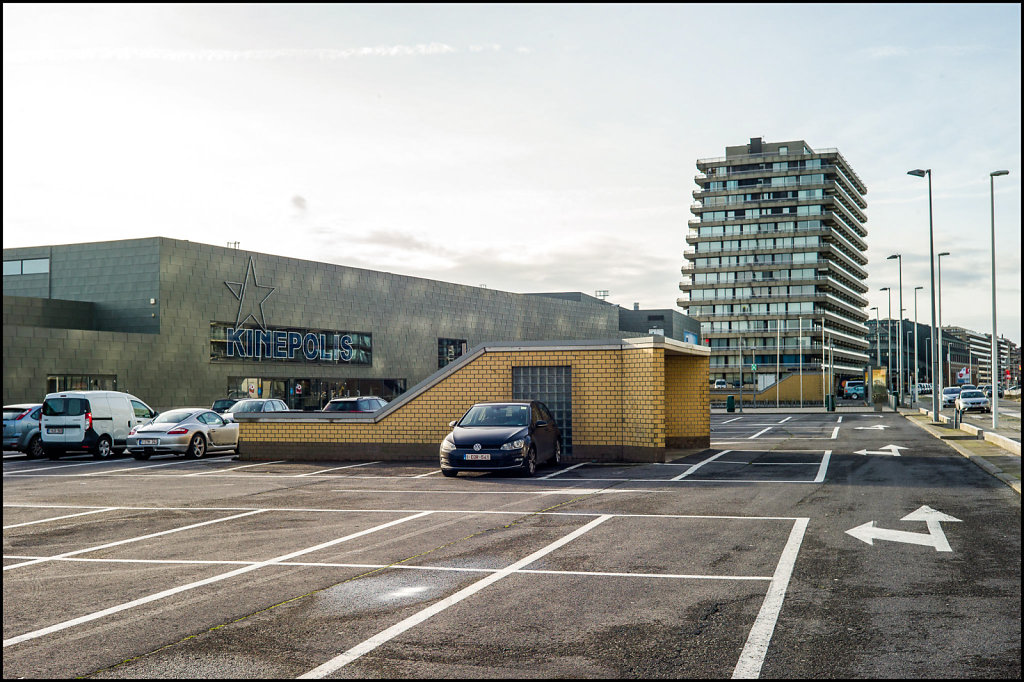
pixel 924 389
pixel 949 395
pixel 973 400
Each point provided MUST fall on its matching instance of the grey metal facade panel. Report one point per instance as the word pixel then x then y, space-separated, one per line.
pixel 170 364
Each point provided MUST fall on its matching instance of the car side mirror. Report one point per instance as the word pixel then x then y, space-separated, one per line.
pixel 541 423
pixel 153 414
pixel 453 422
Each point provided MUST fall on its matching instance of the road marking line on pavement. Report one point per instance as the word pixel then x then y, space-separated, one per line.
pixel 839 421
pixel 555 491
pixel 820 478
pixel 802 464
pixel 759 433
pixel 752 657
pixel 199 583
pixel 454 569
pixel 732 420
pixel 153 466
pixel 59 466
pixel 57 518
pixel 321 471
pixel 244 466
pixel 835 433
pixel 135 539
pixel 785 420
pixel 699 465
pixel 429 473
pixel 574 466
pixel 417 618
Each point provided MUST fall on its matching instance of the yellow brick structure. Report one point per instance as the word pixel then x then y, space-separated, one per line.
pixel 631 399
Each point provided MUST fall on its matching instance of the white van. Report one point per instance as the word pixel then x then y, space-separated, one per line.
pixel 96 421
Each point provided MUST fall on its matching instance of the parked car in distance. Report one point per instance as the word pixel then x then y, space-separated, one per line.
pixel 924 389
pixel 366 403
pixel 221 405
pixel 968 387
pixel 987 390
pixel 854 390
pixel 721 383
pixel 949 394
pixel 95 421
pixel 191 431
pixel 973 400
pixel 21 429
pixel 502 436
pixel 255 405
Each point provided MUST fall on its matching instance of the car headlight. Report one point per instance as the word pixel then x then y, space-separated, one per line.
pixel 516 444
pixel 447 445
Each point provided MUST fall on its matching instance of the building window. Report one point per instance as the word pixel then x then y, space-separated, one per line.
pixel 449 350
pixel 56 383
pixel 28 266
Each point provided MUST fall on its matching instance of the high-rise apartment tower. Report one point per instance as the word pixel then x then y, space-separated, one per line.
pixel 776 256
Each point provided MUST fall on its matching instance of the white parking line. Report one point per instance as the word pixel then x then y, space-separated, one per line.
pixel 57 518
pixel 840 420
pixel 785 420
pixel 752 657
pixel 574 466
pixel 835 433
pixel 699 465
pixel 759 433
pixel 429 473
pixel 417 618
pixel 199 583
pixel 59 466
pixel 152 466
pixel 732 420
pixel 322 471
pixel 129 540
pixel 244 466
pixel 820 478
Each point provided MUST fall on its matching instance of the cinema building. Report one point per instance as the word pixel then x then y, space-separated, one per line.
pixel 179 323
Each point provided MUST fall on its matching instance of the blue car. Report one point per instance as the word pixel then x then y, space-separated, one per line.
pixel 21 429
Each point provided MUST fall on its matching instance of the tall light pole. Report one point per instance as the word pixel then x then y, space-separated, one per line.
pixel 878 339
pixel 917 377
pixel 919 172
pixel 800 350
pixel 995 340
pixel 899 338
pixel 888 342
pixel 942 376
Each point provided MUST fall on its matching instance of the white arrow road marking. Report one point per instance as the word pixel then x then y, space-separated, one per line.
pixel 875 427
pixel 890 449
pixel 935 537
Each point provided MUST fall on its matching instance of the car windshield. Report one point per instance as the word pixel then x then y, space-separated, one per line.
pixel 247 406
pixel 951 390
pixel 173 416
pixel 972 394
pixel 341 406
pixel 226 402
pixel 497 415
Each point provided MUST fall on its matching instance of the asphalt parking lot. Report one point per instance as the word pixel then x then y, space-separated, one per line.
pixel 735 561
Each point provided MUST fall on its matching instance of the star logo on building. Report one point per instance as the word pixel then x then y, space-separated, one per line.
pixel 251 296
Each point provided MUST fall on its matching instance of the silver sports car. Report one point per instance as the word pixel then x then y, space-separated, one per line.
pixel 192 431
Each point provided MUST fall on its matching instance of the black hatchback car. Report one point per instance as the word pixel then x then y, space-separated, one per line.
pixel 502 436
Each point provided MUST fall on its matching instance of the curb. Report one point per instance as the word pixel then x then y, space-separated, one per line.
pixel 979 460
pixel 1005 443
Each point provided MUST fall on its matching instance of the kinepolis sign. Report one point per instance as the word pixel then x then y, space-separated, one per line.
pixel 287 344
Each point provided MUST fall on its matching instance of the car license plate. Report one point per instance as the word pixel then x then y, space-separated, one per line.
pixel 55 429
pixel 148 441
pixel 478 455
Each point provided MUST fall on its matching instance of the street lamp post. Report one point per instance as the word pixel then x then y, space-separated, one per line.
pixel 878 339
pixel 899 337
pixel 888 342
pixel 942 375
pixel 917 366
pixel 920 172
pixel 995 341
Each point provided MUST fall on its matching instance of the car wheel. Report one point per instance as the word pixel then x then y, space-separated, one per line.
pixel 197 447
pixel 35 448
pixel 141 456
pixel 530 462
pixel 556 458
pixel 104 448
pixel 450 473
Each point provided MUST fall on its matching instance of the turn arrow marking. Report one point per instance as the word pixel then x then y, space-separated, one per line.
pixel 876 427
pixel 890 449
pixel 935 537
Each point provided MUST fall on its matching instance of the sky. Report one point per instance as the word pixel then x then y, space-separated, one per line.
pixel 524 148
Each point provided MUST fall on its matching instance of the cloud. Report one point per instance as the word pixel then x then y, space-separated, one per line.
pixel 211 55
